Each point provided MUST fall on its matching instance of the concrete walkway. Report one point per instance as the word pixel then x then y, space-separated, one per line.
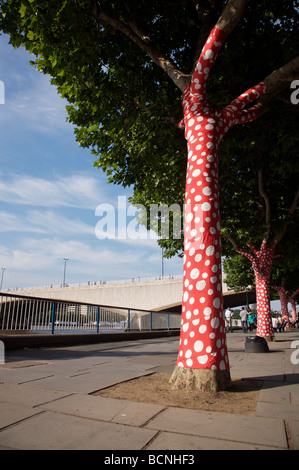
pixel 46 404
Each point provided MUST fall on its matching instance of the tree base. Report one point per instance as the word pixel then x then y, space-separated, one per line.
pixel 269 339
pixel 204 380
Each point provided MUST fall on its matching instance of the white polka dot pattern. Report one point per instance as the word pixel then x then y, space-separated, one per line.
pixel 262 264
pixel 203 339
pixel 284 304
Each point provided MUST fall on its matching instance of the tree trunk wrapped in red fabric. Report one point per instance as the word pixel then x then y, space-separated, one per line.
pixel 284 299
pixel 261 264
pixel 203 340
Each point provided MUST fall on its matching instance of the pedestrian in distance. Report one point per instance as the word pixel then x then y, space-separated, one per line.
pixel 229 320
pixel 244 323
pixel 275 323
pixel 250 318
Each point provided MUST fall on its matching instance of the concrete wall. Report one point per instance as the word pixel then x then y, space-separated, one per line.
pixel 155 295
pixel 145 295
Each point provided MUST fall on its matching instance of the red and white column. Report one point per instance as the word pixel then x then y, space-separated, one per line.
pixel 262 264
pixel 203 338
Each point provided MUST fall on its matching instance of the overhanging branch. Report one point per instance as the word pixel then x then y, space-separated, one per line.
pixel 267 203
pixel 231 15
pixel 232 241
pixel 277 81
pixel 144 43
pixel 291 211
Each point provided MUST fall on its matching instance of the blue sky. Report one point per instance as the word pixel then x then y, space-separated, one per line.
pixel 49 192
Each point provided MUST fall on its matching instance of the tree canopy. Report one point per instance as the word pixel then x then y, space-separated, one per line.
pixel 108 59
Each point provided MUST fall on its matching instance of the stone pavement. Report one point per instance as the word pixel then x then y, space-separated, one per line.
pixel 46 404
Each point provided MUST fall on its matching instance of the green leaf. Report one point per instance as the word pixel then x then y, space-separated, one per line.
pixel 22 10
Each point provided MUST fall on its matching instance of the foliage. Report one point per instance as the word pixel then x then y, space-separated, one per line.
pixel 125 108
pixel 238 273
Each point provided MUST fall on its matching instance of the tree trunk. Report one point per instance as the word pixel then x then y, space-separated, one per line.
pixel 203 340
pixel 262 264
pixel 207 380
pixel 264 318
pixel 283 304
pixel 203 359
pixel 293 304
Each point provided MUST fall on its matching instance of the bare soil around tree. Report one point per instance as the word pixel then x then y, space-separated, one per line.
pixel 155 388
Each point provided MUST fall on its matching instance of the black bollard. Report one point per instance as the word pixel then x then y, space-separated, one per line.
pixel 256 344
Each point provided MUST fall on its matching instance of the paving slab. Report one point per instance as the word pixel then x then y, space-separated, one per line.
pixel 27 395
pixel 275 410
pixel 45 400
pixel 294 430
pixel 105 409
pixel 11 413
pixel 23 375
pixel 182 442
pixel 282 393
pixel 237 428
pixel 88 382
pixel 55 431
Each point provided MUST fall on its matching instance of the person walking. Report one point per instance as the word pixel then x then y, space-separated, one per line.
pixel 250 318
pixel 244 323
pixel 274 323
pixel 229 320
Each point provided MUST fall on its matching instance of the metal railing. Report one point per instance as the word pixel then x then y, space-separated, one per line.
pixel 97 284
pixel 36 314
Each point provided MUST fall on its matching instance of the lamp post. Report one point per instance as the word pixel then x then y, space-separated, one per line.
pixel 3 269
pixel 65 260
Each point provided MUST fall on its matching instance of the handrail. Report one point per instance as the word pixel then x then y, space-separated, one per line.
pixel 77 302
pixel 27 312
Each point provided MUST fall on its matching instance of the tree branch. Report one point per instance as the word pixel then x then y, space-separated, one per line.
pixel 205 12
pixel 233 242
pixel 144 43
pixel 228 20
pixel 292 209
pixel 252 247
pixel 277 81
pixel 267 203
pixel 292 296
pixel 251 257
pixel 231 15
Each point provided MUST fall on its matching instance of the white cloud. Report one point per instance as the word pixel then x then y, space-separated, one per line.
pixel 30 100
pixel 13 223
pixel 39 262
pixel 51 222
pixel 39 106
pixel 74 191
pixel 84 261
pixel 43 222
pixel 78 251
